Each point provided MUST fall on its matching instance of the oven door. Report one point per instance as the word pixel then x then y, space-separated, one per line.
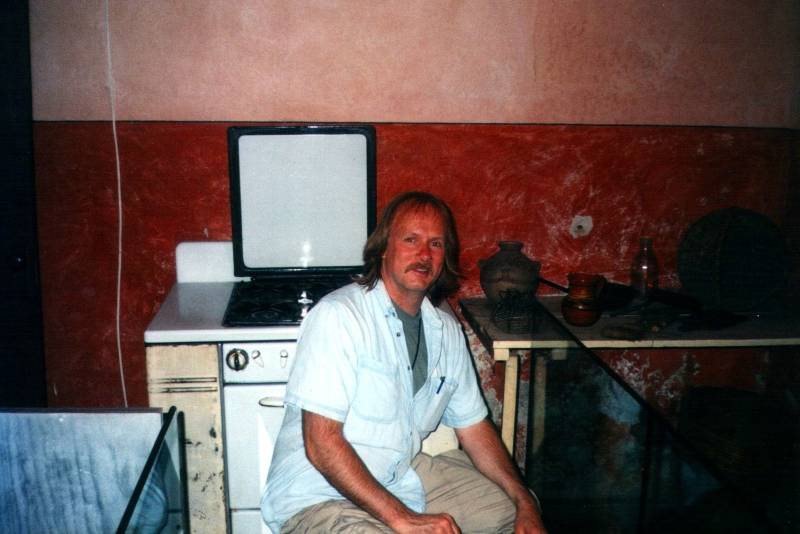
pixel 253 416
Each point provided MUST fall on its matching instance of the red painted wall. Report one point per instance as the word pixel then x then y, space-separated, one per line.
pixel 524 182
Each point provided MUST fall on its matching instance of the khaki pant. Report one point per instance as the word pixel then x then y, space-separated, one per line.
pixel 452 485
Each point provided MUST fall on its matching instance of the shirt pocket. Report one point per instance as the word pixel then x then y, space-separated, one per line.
pixel 377 397
pixel 438 392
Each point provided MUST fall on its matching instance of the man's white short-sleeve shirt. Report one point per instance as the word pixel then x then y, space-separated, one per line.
pixel 352 366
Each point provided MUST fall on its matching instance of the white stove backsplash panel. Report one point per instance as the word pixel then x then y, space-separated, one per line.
pixel 205 261
pixel 304 199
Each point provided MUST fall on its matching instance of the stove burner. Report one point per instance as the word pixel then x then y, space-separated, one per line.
pixel 277 302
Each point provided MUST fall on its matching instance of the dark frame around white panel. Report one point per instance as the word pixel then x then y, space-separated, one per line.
pixel 302 198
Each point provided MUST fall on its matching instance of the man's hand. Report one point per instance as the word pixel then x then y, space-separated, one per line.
pixel 528 522
pixel 426 523
pixel 483 446
pixel 331 454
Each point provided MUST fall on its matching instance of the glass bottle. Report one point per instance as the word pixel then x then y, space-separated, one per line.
pixel 644 270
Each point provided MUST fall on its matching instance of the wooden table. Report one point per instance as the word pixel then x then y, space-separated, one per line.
pixel 758 331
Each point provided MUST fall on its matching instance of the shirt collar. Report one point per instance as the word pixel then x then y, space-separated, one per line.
pixel 430 315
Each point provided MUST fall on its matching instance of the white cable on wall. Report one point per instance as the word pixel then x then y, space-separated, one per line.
pixel 112 100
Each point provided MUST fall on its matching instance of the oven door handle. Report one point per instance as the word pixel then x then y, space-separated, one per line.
pixel 271 402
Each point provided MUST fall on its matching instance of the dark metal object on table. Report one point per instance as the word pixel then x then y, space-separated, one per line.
pixel 648 320
pixel 733 259
pixel 710 320
pixel 660 297
pixel 515 312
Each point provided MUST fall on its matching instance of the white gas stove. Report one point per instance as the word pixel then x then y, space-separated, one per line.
pixel 302 206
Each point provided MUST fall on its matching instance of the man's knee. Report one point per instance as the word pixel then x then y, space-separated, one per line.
pixel 335 517
pixel 454 486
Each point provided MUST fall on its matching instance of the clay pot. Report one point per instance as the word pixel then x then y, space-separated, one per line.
pixel 581 306
pixel 509 272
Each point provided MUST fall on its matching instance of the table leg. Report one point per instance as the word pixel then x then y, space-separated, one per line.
pixel 539 390
pixel 509 421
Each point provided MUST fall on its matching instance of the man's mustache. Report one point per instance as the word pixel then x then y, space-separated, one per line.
pixel 420 265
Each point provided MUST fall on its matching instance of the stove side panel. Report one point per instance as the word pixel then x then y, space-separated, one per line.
pixel 187 377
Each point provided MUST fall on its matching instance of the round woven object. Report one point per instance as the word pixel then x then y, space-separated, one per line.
pixel 734 259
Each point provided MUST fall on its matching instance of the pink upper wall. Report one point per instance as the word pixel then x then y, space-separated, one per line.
pixel 535 61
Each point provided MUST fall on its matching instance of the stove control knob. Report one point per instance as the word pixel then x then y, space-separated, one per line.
pixel 237 359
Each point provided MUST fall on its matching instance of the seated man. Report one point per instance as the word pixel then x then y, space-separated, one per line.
pixel 377 368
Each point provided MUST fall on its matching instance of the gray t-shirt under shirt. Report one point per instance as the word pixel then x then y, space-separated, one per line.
pixel 415 341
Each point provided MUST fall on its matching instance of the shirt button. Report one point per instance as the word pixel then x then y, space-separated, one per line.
pixel 398 334
pixel 409 367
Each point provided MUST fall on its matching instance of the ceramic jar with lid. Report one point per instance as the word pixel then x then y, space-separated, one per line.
pixel 509 272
